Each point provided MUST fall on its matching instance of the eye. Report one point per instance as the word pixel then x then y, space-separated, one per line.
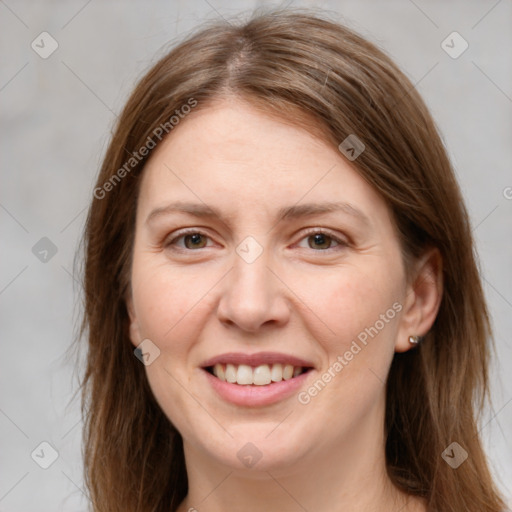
pixel 322 240
pixel 317 239
pixel 192 239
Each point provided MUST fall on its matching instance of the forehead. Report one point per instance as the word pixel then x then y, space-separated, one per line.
pixel 236 158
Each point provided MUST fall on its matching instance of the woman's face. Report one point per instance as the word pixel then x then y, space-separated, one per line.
pixel 275 280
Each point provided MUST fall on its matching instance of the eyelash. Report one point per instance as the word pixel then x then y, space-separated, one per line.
pixel 313 231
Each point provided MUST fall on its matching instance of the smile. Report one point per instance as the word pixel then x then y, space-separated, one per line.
pixel 253 380
pixel 261 375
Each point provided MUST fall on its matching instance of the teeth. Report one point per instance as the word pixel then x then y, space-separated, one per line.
pixel 260 376
pixel 244 374
pixel 230 373
pixel 219 372
pixel 277 373
pixel 287 372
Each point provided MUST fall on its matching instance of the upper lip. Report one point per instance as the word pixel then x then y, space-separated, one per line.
pixel 256 359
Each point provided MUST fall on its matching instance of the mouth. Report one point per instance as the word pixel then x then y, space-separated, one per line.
pixel 254 380
pixel 261 375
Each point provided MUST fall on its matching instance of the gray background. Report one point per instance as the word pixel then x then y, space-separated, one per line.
pixel 57 114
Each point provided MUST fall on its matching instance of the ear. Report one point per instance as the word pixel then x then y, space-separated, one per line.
pixel 135 336
pixel 423 298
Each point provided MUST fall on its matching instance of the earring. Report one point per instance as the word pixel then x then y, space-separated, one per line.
pixel 414 340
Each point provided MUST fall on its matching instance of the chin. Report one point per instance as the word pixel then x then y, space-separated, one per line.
pixel 257 449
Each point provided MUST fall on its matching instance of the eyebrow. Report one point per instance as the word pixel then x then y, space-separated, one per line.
pixel 288 212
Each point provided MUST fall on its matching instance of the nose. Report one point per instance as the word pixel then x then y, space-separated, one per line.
pixel 253 295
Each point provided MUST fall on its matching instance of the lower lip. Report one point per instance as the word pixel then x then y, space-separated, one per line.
pixel 251 396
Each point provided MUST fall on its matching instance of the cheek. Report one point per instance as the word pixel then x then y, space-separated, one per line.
pixel 361 312
pixel 348 303
pixel 169 309
pixel 165 302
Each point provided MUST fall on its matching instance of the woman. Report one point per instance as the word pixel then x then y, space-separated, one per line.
pixel 281 298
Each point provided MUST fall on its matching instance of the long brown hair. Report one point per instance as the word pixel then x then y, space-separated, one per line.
pixel 296 65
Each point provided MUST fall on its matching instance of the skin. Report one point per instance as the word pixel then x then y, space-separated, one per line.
pixel 301 296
